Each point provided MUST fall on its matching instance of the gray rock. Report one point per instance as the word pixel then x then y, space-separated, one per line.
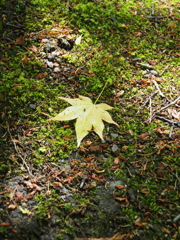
pixel 50 46
pixel 43 54
pixel 114 148
pixel 58 60
pixel 63 43
pixel 114 135
pixel 45 40
pixel 131 195
pixel 56 53
pixel 50 64
pixel 32 106
pixel 50 56
pixel 106 201
pixel 153 72
pixel 57 69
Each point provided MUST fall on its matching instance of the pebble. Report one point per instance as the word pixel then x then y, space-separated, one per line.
pixel 58 60
pixel 56 53
pixel 146 66
pixel 49 47
pixel 32 106
pixel 50 64
pixel 63 43
pixel 114 148
pixel 43 54
pixel 45 40
pixel 153 72
pixel 114 135
pixel 57 69
pixel 131 195
pixel 50 56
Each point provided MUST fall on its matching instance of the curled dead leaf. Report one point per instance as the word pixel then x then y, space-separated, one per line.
pixel 12 206
pixel 120 186
pixel 5 224
pixel 140 224
pixel 144 191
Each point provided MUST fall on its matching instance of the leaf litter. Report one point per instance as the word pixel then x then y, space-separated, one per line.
pixel 129 156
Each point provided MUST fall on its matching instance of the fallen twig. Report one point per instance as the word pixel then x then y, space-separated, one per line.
pixel 150 107
pixel 144 140
pixel 148 99
pixel 157 86
pixel 170 104
pixel 169 121
pixel 19 154
pixel 160 74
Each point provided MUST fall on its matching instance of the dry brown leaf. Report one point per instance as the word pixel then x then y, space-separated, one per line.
pixel 120 186
pixel 140 224
pixel 5 224
pixel 144 136
pixel 24 60
pixel 116 160
pixel 172 25
pixel 67 138
pixel 40 76
pixel 144 191
pixel 166 230
pixel 137 34
pixel 19 40
pixel 34 49
pixel 12 206
pixel 120 199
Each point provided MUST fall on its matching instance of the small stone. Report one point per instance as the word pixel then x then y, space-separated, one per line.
pixel 57 69
pixel 45 40
pixel 43 54
pixel 58 60
pixel 50 64
pixel 56 53
pixel 63 43
pixel 114 135
pixel 53 75
pixel 49 47
pixel 32 106
pixel 114 148
pixel 50 56
pixel 153 72
pixel 131 195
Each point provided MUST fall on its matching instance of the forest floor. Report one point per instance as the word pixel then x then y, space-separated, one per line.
pixel 123 54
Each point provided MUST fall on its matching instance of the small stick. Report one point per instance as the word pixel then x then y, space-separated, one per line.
pixel 18 151
pixel 169 121
pixel 15 26
pixel 159 90
pixel 147 100
pixel 101 92
pixel 170 104
pixel 150 109
pixel 160 74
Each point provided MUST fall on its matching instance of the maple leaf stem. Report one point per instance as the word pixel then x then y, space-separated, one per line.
pixel 101 92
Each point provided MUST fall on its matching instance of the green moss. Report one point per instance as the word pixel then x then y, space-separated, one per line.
pixel 113 34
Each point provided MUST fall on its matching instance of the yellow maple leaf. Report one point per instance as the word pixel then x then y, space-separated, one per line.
pixel 88 116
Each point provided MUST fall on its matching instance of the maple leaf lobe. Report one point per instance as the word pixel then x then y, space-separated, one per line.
pixel 88 116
